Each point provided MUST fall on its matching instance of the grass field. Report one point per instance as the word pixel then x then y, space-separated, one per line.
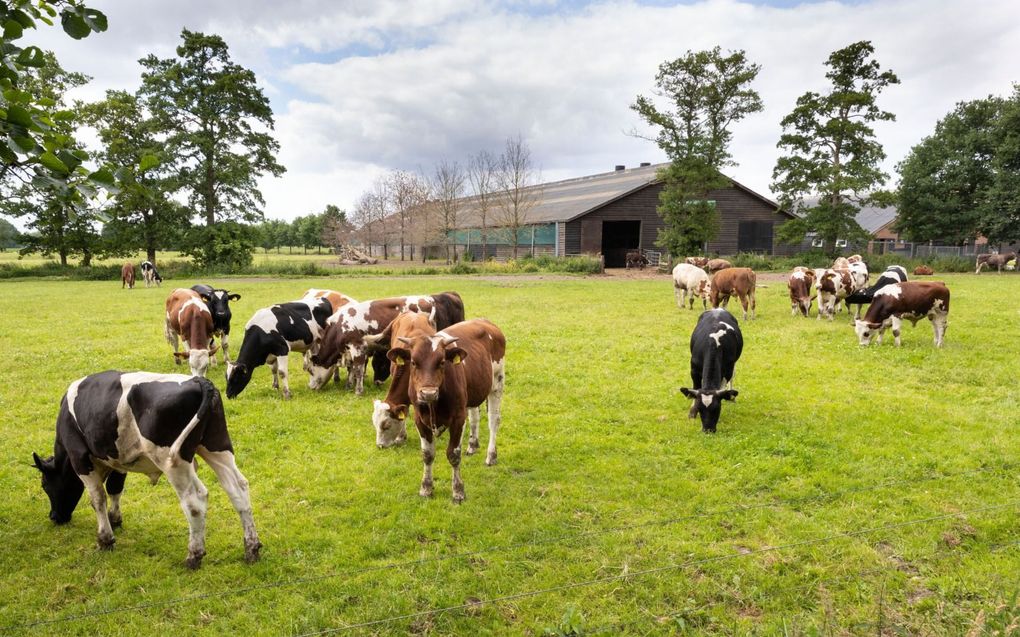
pixel 848 491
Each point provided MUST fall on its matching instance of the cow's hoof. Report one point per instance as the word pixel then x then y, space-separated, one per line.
pixel 194 560
pixel 105 543
pixel 286 395
pixel 426 490
pixel 473 448
pixel 251 552
pixel 490 459
pixel 116 520
pixel 458 495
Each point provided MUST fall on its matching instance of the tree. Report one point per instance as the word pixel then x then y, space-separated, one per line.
pixel 216 121
pixel 945 179
pixel 8 235
pixel 481 173
pixel 517 195
pixel 310 231
pixel 407 194
pixel 447 192
pixel 707 92
pixel 832 149
pixel 336 229
pixel 1000 209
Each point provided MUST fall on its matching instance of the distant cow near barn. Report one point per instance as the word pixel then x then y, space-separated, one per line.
pixel 912 301
pixel 188 319
pixel 690 281
pixel 127 276
pixel 800 282
pixel 997 261
pixel 697 261
pixel 716 344
pixel 637 260
pixel 714 265
pixel 113 422
pixel 923 270
pixel 739 282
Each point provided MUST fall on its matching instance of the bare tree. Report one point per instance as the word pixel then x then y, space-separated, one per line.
pixel 447 197
pixel 363 220
pixel 380 211
pixel 408 193
pixel 517 195
pixel 482 171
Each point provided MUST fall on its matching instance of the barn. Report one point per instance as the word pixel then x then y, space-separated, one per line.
pixel 614 212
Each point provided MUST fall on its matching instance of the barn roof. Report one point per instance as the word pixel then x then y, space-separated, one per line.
pixel 873 218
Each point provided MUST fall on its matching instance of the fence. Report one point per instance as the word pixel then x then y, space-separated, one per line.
pixel 925 250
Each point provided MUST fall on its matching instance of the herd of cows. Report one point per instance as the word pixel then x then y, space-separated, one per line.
pixel 716 342
pixel 446 367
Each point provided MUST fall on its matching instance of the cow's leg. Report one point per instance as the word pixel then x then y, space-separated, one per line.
pixel 281 367
pixel 194 498
pixel 360 366
pixel 939 323
pixel 453 456
pixel 754 305
pixel 114 487
pixel 274 369
pixel 896 325
pixel 474 416
pixel 428 456
pixel 171 337
pixel 743 303
pixel 495 409
pixel 97 496
pixel 224 345
pixel 236 486
pixel 678 293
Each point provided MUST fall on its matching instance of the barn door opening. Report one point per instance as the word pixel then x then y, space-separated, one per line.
pixel 754 236
pixel 619 238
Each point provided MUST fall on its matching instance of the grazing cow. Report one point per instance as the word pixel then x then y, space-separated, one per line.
pixel 690 281
pixel 188 317
pixel 912 300
pixel 345 332
pixel 150 274
pixel 734 281
pixel 218 301
pixel 800 284
pixel 833 286
pixel 716 344
pixel 127 276
pixel 892 274
pixel 923 270
pixel 997 261
pixel 855 258
pixel 452 374
pixel 698 261
pixel 389 414
pixel 336 301
pixel 841 263
pixel 271 334
pixel 714 265
pixel 114 422
pixel 637 260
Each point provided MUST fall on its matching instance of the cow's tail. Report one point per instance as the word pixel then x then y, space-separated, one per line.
pixel 208 391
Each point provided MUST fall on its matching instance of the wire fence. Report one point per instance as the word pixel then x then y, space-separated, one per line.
pixel 534 542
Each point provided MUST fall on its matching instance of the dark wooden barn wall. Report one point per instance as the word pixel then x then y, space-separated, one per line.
pixel 734 205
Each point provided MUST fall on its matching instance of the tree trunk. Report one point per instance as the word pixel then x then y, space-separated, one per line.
pixel 63 257
pixel 150 254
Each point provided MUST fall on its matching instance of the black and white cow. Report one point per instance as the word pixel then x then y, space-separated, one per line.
pixel 114 422
pixel 892 274
pixel 150 274
pixel 219 307
pixel 272 334
pixel 716 344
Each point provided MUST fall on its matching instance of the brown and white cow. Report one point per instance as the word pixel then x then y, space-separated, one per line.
pixel 997 261
pixel 911 300
pixel 833 286
pixel 636 259
pixel 714 265
pixel 801 280
pixel 739 282
pixel 698 261
pixel 336 301
pixel 690 281
pixel 452 373
pixel 923 270
pixel 188 317
pixel 127 275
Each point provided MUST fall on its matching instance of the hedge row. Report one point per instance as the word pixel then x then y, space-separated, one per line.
pixel 876 262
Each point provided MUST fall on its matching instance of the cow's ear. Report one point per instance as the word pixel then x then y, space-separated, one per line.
pixel 205 298
pixel 45 466
pixel 692 394
pixel 181 354
pixel 455 355
pixel 400 412
pixel 729 394
pixel 233 297
pixel 399 355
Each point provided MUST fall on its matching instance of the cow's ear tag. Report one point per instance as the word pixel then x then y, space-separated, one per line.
pixel 399 362
pixel 401 416
pixel 456 359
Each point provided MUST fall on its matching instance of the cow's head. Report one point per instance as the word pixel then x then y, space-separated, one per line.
pixel 428 357
pixel 238 376
pixel 219 306
pixel 865 331
pixel 708 405
pixel 326 355
pixel 198 360
pixel 389 423
pixel 62 485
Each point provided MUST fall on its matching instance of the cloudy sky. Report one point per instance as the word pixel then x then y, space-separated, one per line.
pixel 361 87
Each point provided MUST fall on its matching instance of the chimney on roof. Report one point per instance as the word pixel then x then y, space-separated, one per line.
pixel 620 167
pixel 646 164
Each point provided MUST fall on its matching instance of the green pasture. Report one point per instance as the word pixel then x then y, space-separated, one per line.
pixel 259 256
pixel 849 491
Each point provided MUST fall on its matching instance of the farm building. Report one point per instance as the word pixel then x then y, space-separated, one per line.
pixel 615 212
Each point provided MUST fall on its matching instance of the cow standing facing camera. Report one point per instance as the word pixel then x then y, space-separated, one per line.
pixel 716 344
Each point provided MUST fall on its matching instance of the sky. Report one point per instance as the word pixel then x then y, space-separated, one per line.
pixel 363 87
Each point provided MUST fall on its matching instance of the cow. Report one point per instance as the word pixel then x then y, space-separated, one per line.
pixel 801 280
pixel 188 318
pixel 389 414
pixel 833 286
pixel 714 265
pixel 690 281
pixel 855 258
pixel 345 332
pixel 150 274
pixel 861 297
pixel 911 300
pixel 698 261
pixel 271 334
pixel 716 344
pixel 336 301
pixel 114 422
pixel 637 260
pixel 734 281
pixel 127 276
pixel 218 301
pixel 997 261
pixel 452 373
pixel 923 270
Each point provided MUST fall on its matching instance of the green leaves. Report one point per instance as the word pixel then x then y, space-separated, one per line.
pixel 79 21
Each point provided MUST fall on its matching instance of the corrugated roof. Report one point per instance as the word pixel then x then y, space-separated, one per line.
pixel 871 218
